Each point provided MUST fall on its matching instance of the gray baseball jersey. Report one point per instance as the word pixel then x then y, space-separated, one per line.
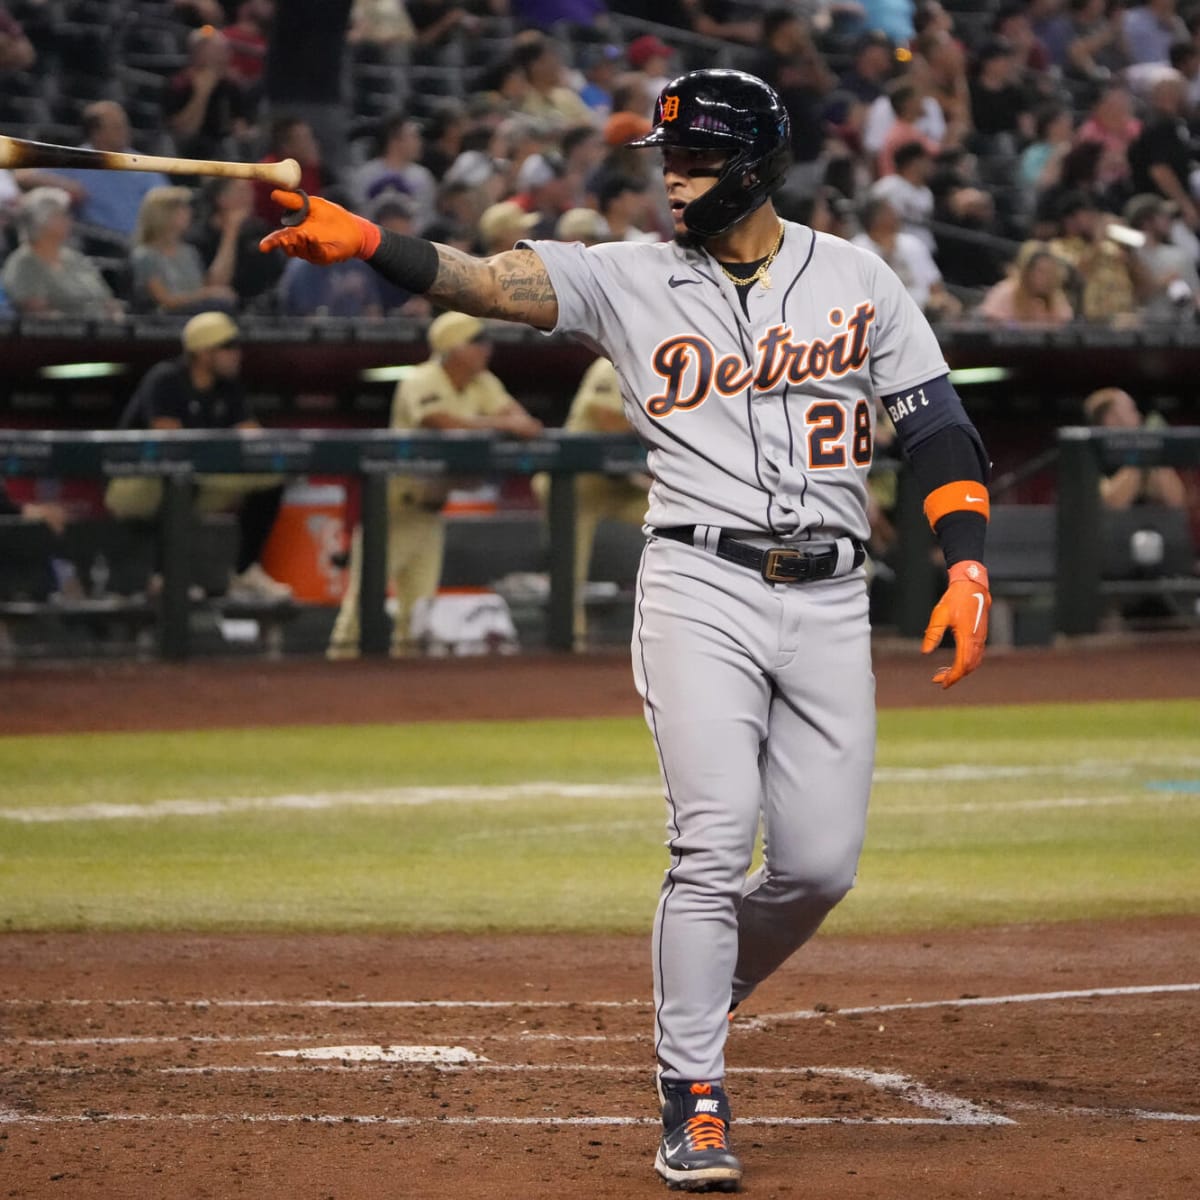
pixel 759 695
pixel 761 423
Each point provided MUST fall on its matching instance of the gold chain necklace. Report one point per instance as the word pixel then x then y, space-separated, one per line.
pixel 763 274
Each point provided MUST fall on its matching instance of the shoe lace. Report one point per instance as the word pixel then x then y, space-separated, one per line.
pixel 706 1132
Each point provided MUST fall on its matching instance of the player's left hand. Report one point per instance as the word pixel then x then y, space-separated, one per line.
pixel 963 609
pixel 329 234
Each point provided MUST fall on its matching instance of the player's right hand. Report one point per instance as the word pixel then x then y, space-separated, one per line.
pixel 963 609
pixel 329 234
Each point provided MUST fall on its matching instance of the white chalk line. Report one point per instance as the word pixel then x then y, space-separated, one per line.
pixel 808 1014
pixel 641 789
pixel 950 1110
pixel 202 1003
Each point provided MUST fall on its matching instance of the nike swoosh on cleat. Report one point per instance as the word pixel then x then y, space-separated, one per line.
pixel 673 282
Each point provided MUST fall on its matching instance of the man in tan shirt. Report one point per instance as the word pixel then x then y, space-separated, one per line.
pixel 453 389
pixel 597 408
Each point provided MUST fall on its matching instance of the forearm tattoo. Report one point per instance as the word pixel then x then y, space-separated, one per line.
pixel 512 286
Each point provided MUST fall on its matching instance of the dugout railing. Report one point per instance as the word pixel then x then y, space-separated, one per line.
pixel 1067 553
pixel 178 456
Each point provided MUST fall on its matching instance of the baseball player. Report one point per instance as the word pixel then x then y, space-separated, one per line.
pixel 597 408
pixel 750 351
pixel 453 389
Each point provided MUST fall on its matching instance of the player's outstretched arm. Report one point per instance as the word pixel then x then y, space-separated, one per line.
pixel 512 286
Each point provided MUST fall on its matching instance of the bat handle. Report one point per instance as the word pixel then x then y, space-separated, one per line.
pixel 298 215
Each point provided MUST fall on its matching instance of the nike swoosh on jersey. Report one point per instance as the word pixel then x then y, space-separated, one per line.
pixel 673 282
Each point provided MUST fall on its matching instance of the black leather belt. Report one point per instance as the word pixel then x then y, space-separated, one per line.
pixel 776 564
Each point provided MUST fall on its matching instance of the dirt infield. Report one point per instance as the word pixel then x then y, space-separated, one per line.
pixel 1055 1060
pixel 196 695
pixel 164 1067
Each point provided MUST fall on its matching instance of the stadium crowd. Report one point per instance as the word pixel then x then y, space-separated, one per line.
pixel 1015 161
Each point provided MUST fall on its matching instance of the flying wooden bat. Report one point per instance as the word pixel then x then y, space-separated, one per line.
pixel 16 153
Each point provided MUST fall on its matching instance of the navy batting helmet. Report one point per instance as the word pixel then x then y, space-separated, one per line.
pixel 725 110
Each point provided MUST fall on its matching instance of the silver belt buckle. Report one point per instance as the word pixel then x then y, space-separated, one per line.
pixel 771 565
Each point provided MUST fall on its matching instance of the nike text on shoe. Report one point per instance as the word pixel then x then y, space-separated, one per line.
pixel 694 1154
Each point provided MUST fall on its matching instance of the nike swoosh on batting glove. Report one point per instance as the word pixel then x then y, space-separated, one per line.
pixel 963 609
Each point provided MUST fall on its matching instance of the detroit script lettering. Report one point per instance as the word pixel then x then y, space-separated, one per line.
pixel 692 369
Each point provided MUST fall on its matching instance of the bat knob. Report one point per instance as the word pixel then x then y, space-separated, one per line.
pixel 296 215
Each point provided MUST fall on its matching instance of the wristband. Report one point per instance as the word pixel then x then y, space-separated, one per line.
pixel 964 495
pixel 971 572
pixel 410 263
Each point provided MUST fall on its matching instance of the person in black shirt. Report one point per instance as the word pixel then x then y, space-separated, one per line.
pixel 202 389
pixel 204 106
pixel 228 228
pixel 1000 108
pixel 1160 157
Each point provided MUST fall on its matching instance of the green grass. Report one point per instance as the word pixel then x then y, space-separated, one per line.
pixel 1062 822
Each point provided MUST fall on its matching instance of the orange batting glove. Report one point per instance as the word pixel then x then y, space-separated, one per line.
pixel 329 234
pixel 964 609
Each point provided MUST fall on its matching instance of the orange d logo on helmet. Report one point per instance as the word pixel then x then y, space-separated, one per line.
pixel 670 108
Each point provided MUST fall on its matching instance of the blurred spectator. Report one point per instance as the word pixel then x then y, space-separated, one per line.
pixel 168 274
pixel 793 66
pixel 381 31
pixel 907 109
pixel 204 106
pixel 1032 294
pixel 999 104
pixel 1012 24
pixel 290 137
pixel 45 276
pixel 247 38
pixel 624 205
pixel 894 17
pixel 111 199
pixel 396 167
pixel 227 233
pixel 1114 408
pixel 1160 157
pixel 304 75
pixel 599 64
pixel 442 136
pixel 1042 159
pixel 1111 123
pixel 549 98
pixel 16 50
pixel 825 210
pixel 652 62
pixel 1149 30
pixel 343 289
pixel 502 226
pixel 1095 49
pixel 438 22
pixel 584 225
pixel 923 115
pixel 1052 26
pixel 871 68
pixel 1108 283
pixel 543 188
pixel 453 389
pixel 907 190
pixel 547 14
pixel 202 389
pixel 397 213
pixel 946 73
pixel 583 151
pixel 717 19
pixel 907 256
pixel 1172 268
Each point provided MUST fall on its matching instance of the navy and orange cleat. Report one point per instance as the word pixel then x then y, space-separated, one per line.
pixel 694 1154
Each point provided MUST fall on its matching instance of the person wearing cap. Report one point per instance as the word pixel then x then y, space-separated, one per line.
pixel 1114 408
pixel 598 64
pixel 871 67
pixel 202 389
pixel 597 407
pixel 1171 267
pixel 503 225
pixel 452 389
pixel 651 58
pixel 545 189
pixel 584 225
